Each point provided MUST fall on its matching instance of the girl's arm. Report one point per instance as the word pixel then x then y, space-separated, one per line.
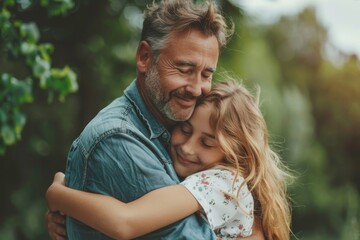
pixel 120 220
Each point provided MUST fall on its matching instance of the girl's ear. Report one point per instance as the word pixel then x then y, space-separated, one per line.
pixel 143 57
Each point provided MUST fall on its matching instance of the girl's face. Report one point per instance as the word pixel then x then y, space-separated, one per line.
pixel 193 144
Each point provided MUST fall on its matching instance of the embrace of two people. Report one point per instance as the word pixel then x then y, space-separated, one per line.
pixel 174 157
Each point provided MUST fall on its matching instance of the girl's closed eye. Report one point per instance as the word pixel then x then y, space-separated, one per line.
pixel 209 143
pixel 186 128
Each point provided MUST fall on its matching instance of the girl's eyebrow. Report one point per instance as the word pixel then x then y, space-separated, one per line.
pixel 187 122
pixel 209 135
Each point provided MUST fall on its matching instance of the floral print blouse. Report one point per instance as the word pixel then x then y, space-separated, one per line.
pixel 229 216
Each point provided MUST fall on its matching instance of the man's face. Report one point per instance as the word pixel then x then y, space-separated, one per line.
pixel 182 74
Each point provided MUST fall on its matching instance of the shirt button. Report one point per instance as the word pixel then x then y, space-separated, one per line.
pixel 165 135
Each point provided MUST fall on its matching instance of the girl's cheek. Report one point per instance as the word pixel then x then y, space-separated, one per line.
pixel 176 138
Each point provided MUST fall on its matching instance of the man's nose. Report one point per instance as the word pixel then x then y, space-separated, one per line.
pixel 196 87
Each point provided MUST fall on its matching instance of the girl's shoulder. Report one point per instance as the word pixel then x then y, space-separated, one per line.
pixel 225 200
pixel 220 178
pixel 221 173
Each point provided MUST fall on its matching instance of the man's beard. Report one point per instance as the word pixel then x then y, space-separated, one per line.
pixel 157 95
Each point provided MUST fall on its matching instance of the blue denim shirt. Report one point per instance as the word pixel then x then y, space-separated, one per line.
pixel 122 153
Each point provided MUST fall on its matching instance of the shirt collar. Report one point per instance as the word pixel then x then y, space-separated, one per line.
pixel 133 95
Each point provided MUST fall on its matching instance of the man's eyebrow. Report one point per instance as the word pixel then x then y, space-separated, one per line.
pixel 185 63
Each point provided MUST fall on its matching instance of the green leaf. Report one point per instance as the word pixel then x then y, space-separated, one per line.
pixel 24 89
pixel 69 77
pixel 5 79
pixel 19 122
pixel 63 81
pixel 5 25
pixel 8 135
pixel 24 4
pixel 45 51
pixel 30 32
pixel 27 48
pixel 41 70
pixel 59 7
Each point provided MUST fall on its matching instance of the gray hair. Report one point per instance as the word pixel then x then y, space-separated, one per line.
pixel 167 16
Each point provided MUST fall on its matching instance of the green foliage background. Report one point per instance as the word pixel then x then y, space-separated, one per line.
pixel 50 48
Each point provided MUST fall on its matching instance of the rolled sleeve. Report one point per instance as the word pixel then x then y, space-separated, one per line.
pixel 229 215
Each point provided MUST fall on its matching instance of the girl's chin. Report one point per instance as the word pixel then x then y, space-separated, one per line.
pixel 181 172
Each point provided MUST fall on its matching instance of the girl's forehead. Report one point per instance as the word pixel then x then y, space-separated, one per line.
pixel 203 108
pixel 202 116
pixel 212 112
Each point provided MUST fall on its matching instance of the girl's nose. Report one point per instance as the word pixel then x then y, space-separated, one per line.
pixel 188 147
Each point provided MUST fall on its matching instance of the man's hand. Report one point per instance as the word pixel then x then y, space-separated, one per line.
pixel 56 225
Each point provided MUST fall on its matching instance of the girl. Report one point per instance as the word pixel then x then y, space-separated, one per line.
pixel 230 174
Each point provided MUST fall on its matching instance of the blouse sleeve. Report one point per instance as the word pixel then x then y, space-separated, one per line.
pixel 228 214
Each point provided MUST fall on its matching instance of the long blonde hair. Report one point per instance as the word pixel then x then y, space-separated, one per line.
pixel 243 137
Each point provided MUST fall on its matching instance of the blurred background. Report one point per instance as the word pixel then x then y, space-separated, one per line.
pixel 61 61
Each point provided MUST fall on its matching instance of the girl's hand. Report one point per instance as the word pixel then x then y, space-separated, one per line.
pixel 58 182
pixel 59 178
pixel 55 220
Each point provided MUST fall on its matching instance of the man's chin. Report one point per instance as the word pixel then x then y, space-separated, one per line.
pixel 181 115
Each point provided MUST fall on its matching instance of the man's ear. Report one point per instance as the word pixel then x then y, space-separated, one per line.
pixel 143 57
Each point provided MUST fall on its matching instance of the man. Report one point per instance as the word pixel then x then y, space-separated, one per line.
pixel 122 152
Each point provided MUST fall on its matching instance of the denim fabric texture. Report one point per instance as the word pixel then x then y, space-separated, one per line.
pixel 122 153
